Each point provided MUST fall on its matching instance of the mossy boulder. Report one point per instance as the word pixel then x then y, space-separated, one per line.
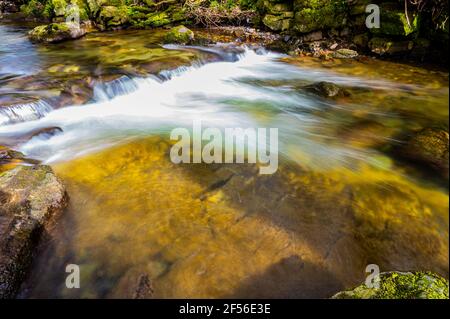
pixel 431 147
pixel 280 22
pixel 361 40
pixel 180 35
pixel 56 32
pixel 325 89
pixel 30 199
pixel 111 17
pixel 7 154
pixel 401 285
pixel 157 19
pixel 394 22
pixel 319 14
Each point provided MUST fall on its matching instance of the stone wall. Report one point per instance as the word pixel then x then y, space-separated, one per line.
pixel 399 32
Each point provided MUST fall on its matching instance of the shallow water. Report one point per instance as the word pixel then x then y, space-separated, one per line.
pixel 339 201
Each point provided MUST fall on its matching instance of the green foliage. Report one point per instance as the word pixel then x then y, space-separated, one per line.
pixel 49 12
pixel 248 4
pixel 33 9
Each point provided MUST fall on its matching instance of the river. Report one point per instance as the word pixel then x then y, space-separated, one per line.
pixel 340 200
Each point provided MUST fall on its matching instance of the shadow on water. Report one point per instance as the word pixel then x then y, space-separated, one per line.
pixel 290 278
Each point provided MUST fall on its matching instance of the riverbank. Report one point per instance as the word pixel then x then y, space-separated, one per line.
pixel 304 27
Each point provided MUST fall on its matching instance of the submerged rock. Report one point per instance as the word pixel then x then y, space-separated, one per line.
pixel 401 285
pixel 30 196
pixel 429 146
pixel 326 89
pixel 7 154
pixel 57 32
pixel 180 35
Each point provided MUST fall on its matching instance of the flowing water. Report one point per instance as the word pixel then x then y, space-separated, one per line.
pixel 339 201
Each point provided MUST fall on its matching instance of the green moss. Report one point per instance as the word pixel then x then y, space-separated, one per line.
pixel 47 31
pixel 315 15
pixel 59 7
pixel 399 285
pixel 157 19
pixel 179 34
pixel 395 23
pixel 111 17
pixel 277 22
pixel 33 9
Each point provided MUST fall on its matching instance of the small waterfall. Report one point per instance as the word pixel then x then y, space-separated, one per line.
pixel 108 90
pixel 24 112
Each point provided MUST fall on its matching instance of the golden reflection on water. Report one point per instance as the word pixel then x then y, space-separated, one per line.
pixel 296 233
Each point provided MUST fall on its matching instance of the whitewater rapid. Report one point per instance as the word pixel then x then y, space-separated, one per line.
pixel 220 94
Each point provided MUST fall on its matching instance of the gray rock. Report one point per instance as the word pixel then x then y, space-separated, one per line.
pixel 30 198
pixel 57 32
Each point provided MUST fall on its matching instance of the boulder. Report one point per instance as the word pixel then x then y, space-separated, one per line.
pixel 7 155
pixel 277 22
pixel 394 22
pixel 401 285
pixel 326 89
pixel 112 17
pixel 431 147
pixel 361 40
pixel 57 32
pixel 30 197
pixel 179 35
pixel 319 15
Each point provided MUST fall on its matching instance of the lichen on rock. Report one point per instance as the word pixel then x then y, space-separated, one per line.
pixel 57 32
pixel 401 285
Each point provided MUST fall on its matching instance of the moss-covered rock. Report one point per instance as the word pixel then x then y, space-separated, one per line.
pixel 394 22
pixel 7 154
pixel 30 198
pixel 157 19
pixel 326 89
pixel 180 35
pixel 113 17
pixel 401 285
pixel 429 146
pixel 278 22
pixel 361 40
pixel 312 15
pixel 56 32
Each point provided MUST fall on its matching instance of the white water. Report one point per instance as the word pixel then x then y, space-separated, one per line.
pixel 219 94
pixel 24 112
